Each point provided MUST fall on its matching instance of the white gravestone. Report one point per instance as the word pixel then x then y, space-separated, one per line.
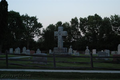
pixel 50 51
pixel 11 50
pixel 70 51
pixel 38 51
pixel 87 51
pixel 119 49
pixel 60 33
pixel 94 51
pixel 24 50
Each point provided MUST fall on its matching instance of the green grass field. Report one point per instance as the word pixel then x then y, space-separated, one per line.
pixel 56 76
pixel 74 63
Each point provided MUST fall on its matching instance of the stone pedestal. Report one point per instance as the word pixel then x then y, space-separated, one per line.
pixel 60 50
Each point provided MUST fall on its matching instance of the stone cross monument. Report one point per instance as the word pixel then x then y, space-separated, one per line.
pixel 60 33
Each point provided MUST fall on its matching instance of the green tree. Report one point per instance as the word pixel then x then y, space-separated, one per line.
pixel 16 28
pixel 32 27
pixel 48 37
pixel 115 22
pixel 90 27
pixel 3 23
pixel 76 34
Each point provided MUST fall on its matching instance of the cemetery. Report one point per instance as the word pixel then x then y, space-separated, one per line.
pixel 86 48
pixel 61 58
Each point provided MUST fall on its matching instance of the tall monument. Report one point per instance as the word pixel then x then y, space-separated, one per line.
pixel 60 33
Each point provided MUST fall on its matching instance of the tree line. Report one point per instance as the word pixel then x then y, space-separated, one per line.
pixel 94 31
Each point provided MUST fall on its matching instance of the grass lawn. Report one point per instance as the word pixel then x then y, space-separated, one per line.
pixel 57 76
pixel 75 63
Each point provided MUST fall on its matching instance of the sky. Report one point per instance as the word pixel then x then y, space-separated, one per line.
pixel 51 11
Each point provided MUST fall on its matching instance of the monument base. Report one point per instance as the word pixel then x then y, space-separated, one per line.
pixel 60 50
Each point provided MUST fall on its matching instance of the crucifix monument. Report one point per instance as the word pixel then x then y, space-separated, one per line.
pixel 60 33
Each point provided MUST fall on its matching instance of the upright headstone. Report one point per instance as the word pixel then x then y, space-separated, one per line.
pixel 94 51
pixel 50 51
pixel 87 51
pixel 17 50
pixel 38 51
pixel 102 54
pixel 11 50
pixel 27 51
pixel 70 51
pixel 113 52
pixel 107 51
pixel 24 50
pixel 60 33
pixel 32 52
pixel 119 49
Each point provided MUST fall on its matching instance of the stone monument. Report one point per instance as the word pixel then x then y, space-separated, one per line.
pixel 24 50
pixel 38 51
pixel 11 50
pixel 60 33
pixel 119 49
pixel 94 51
pixel 70 51
pixel 17 50
pixel 87 51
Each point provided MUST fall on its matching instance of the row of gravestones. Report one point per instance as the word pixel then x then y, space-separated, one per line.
pixel 24 51
pixel 87 51
pixel 104 53
pixel 38 60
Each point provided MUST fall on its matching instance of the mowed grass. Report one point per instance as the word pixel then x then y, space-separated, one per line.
pixel 58 76
pixel 72 62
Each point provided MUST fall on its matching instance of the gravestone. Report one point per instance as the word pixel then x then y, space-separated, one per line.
pixel 28 51
pixel 76 53
pixel 119 49
pixel 60 33
pixel 87 51
pixel 38 51
pixel 24 50
pixel 70 51
pixel 107 51
pixel 17 50
pixel 113 52
pixel 40 60
pixel 50 51
pixel 102 54
pixel 11 50
pixel 32 52
pixel 94 51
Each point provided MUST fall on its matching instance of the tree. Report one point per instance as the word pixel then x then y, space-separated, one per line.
pixel 90 27
pixel 16 29
pixel 32 27
pixel 48 37
pixel 3 23
pixel 76 34
pixel 115 22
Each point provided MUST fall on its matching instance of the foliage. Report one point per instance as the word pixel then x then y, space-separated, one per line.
pixel 32 27
pixel 3 23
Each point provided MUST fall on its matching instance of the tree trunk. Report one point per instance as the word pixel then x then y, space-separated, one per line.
pixel 28 44
pixel 0 48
